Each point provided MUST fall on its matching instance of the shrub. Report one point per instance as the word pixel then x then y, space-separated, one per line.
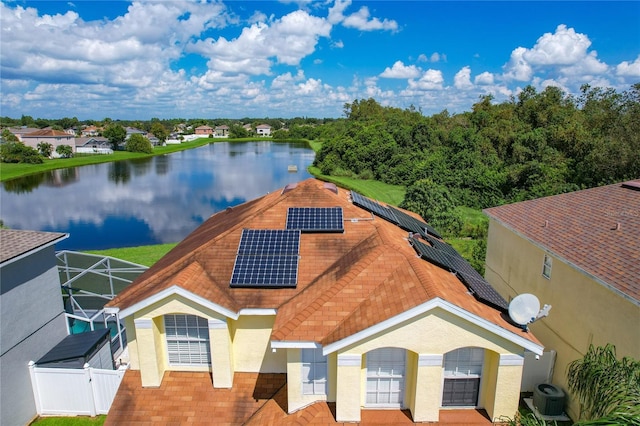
pixel 64 151
pixel 17 152
pixel 138 143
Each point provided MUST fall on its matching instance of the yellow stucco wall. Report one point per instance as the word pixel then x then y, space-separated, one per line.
pixel 436 332
pixel 251 345
pixel 583 310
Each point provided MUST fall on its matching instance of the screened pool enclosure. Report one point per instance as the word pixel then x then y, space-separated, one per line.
pixel 88 282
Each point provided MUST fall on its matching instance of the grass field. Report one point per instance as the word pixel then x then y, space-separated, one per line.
pixel 142 255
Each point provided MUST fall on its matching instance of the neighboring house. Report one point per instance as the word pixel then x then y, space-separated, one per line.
pixel 20 131
pixel 94 145
pixel 580 253
pixel 53 137
pixel 133 130
pixel 89 131
pixel 308 283
pixel 222 131
pixel 247 127
pixel 32 317
pixel 203 130
pixel 263 130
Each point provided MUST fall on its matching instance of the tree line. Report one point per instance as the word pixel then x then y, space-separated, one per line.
pixel 534 145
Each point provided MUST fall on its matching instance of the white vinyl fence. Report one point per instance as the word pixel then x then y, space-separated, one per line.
pixel 67 391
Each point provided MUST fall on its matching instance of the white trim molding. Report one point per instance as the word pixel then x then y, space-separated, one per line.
pixel 349 360
pixel 216 324
pixel 430 360
pixel 511 359
pixel 257 312
pixel 177 291
pixel 143 323
pixel 292 344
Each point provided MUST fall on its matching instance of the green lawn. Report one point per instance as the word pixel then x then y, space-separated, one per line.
pixel 69 421
pixel 142 255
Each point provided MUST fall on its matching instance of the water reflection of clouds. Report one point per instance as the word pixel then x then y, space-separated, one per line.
pixel 191 186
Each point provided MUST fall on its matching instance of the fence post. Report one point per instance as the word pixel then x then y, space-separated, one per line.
pixel 34 386
pixel 87 375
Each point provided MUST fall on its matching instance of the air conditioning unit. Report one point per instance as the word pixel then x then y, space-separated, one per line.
pixel 548 399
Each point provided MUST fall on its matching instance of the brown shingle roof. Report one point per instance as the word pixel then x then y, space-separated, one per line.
pixel 347 282
pixel 597 230
pixel 14 243
pixel 47 133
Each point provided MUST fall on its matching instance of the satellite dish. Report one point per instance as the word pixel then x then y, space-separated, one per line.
pixel 524 309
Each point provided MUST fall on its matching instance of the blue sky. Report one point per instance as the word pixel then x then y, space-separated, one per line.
pixel 234 59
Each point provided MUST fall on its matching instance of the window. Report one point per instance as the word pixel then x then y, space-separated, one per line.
pixel 187 340
pixel 314 372
pixel 546 266
pixel 385 377
pixel 462 374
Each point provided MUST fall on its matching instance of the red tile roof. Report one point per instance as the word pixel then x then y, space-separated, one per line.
pixel 347 281
pixel 597 230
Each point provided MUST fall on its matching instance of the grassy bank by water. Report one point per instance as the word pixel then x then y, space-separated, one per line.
pixel 142 255
pixel 15 170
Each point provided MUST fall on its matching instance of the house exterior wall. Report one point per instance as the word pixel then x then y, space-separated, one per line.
pixel 427 339
pixel 583 312
pixel 32 320
pixel 251 335
pixel 236 345
pixel 53 140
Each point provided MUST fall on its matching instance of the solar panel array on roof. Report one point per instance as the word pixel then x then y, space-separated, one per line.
pixel 374 207
pixel 411 224
pixel 315 219
pixel 267 258
pixel 446 257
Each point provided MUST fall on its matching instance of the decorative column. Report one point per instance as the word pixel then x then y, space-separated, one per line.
pixel 150 361
pixel 428 388
pixel 221 353
pixel 348 388
pixel 508 382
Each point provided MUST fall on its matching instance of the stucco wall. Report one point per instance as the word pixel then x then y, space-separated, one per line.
pixel 251 345
pixel 432 335
pixel 583 310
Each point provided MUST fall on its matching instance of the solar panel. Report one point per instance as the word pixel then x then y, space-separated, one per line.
pixel 267 258
pixel 411 224
pixel 437 257
pixel 483 291
pixel 315 219
pixel 374 207
pixel 269 242
pixel 265 271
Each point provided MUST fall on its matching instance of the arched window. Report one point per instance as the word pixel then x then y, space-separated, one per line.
pixel 187 339
pixel 385 377
pixel 462 374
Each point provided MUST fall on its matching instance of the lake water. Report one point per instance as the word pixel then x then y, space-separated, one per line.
pixel 155 200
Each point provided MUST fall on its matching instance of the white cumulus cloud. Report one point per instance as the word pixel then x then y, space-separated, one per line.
pixel 400 70
pixel 462 79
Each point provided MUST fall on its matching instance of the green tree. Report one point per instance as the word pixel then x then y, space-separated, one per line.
pixel 7 136
pixel 115 133
pixel 138 143
pixel 45 149
pixel 236 131
pixel 17 152
pixel 608 388
pixel 159 131
pixel 64 151
pixel 435 204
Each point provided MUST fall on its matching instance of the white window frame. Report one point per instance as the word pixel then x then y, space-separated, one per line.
pixel 314 371
pixel 463 363
pixel 386 377
pixel 187 340
pixel 547 264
